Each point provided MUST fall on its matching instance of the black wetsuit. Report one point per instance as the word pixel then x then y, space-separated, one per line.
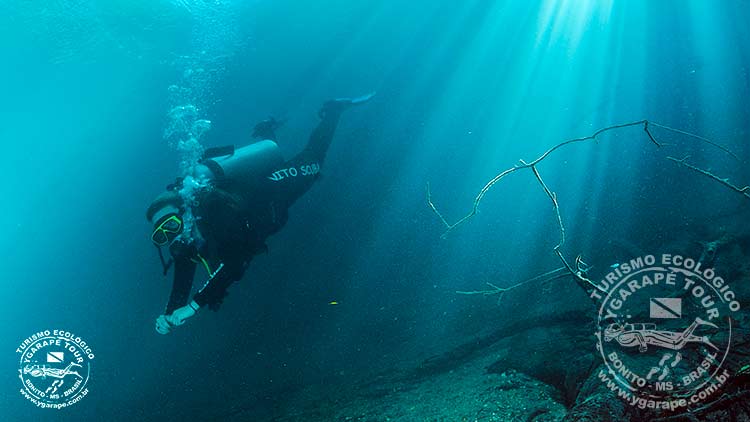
pixel 235 224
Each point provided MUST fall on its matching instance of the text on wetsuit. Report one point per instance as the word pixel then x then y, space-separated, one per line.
pixel 304 170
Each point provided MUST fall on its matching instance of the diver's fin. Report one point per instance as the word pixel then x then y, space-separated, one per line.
pixel 361 99
pixel 340 104
pixel 267 129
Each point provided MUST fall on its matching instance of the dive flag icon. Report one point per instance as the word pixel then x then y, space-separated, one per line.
pixel 55 357
pixel 666 307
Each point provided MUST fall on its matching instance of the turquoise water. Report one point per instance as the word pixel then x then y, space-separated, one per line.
pixel 91 92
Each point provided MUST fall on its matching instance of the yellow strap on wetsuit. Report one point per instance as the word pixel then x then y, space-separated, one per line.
pixel 205 264
pixel 211 274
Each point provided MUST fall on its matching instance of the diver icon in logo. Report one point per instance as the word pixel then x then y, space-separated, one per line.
pixel 645 334
pixel 45 371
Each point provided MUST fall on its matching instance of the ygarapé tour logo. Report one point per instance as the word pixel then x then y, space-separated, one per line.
pixel 54 368
pixel 665 329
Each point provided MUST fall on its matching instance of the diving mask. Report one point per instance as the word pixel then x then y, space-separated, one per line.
pixel 167 230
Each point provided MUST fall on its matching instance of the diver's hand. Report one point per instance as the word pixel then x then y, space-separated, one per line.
pixel 162 326
pixel 179 315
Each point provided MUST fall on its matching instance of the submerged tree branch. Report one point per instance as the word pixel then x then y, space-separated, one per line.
pixel 579 269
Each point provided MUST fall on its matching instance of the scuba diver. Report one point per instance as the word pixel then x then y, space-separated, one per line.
pixel 241 197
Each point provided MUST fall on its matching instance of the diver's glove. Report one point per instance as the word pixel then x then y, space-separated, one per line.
pixel 179 315
pixel 162 326
pixel 165 323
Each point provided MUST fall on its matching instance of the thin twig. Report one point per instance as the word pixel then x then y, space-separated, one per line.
pixel 495 290
pixel 724 181
pixel 700 138
pixel 429 201
pixel 548 276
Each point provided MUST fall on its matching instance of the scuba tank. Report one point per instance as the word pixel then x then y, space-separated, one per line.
pixel 242 167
